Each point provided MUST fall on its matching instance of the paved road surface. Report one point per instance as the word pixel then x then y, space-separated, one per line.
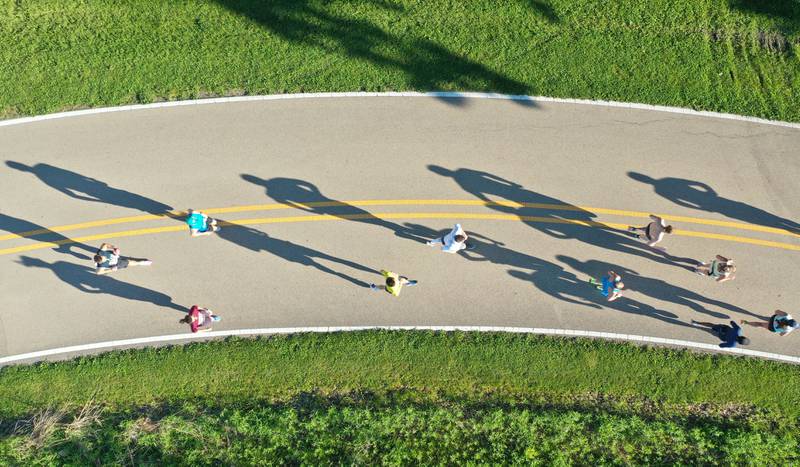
pixel 440 161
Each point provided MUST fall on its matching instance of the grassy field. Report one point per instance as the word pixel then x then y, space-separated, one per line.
pixel 489 394
pixel 736 56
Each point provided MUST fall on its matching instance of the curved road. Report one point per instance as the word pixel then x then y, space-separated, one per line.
pixel 328 191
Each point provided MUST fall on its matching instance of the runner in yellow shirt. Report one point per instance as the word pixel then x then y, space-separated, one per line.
pixel 394 283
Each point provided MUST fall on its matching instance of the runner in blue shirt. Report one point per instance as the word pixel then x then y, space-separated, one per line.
pixel 201 224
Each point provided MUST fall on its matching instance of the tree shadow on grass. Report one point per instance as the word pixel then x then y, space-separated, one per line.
pixel 86 188
pixel 544 9
pixel 257 241
pixel 428 65
pixel 42 234
pixel 553 216
pixel 786 13
pixel 698 195
pixel 84 279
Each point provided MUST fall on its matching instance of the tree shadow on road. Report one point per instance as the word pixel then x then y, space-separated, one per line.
pixel 428 65
pixel 86 188
pixel 656 289
pixel 698 195
pixel 42 234
pixel 559 220
pixel 257 241
pixel 84 279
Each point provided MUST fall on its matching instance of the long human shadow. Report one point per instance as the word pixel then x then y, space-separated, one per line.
pixel 559 220
pixel 305 196
pixel 18 226
pixel 257 241
pixel 86 188
pixel 84 279
pixel 548 277
pixel 428 65
pixel 698 195
pixel 654 288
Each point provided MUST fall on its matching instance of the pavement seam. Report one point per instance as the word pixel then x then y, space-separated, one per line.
pixel 110 345
pixel 437 95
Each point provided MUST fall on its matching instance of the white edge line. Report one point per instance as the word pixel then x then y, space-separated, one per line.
pixel 438 94
pixel 327 329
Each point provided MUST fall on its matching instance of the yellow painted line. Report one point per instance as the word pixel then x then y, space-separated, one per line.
pixel 394 215
pixel 401 202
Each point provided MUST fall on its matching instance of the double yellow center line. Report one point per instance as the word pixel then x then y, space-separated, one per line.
pixel 586 222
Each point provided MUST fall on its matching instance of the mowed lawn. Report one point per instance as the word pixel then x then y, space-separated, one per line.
pixel 379 397
pixel 736 56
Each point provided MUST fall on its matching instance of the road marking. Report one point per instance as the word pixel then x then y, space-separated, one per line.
pixel 435 94
pixel 391 215
pixel 401 202
pixel 325 329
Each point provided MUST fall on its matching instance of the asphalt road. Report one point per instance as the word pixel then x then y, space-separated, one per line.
pixel 582 170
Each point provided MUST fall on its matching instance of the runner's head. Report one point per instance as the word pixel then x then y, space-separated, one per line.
pixel 98 259
pixel 791 323
pixel 460 238
pixel 619 285
pixel 728 268
pixel 743 340
pixel 390 282
pixel 668 229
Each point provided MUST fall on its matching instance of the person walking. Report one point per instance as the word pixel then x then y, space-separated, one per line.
pixel 453 242
pixel 731 336
pixel 780 322
pixel 200 224
pixel 610 285
pixel 199 319
pixel 721 269
pixel 107 259
pixel 653 232
pixel 393 284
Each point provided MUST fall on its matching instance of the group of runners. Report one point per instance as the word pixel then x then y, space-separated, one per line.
pixel 611 286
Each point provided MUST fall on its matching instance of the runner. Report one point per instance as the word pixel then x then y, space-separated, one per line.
pixel 394 283
pixel 611 285
pixel 731 336
pixel 453 242
pixel 780 322
pixel 201 224
pixel 200 319
pixel 107 259
pixel 652 232
pixel 721 269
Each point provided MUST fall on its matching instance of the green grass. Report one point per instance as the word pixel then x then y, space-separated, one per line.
pixel 460 365
pixel 736 56
pixel 401 397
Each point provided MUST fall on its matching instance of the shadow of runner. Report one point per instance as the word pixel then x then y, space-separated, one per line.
pixel 698 195
pixel 428 65
pixel 256 240
pixel 560 220
pixel 42 234
pixel 548 277
pixel 304 195
pixel 85 188
pixel 84 279
pixel 654 288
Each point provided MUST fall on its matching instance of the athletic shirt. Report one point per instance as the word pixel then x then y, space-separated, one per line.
pixel 716 269
pixel 609 287
pixel 450 244
pixel 197 222
pixel 109 259
pixel 397 285
pixel 777 324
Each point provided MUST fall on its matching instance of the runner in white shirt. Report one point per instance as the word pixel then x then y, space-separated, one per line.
pixel 653 232
pixel 453 242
